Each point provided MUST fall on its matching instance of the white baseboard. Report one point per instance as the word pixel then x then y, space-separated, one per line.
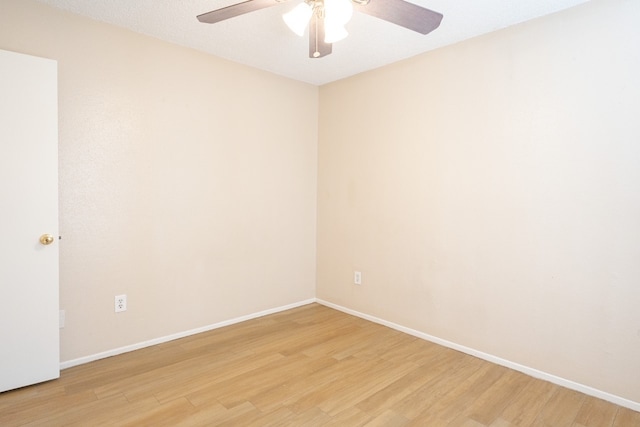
pixel 494 359
pixel 132 347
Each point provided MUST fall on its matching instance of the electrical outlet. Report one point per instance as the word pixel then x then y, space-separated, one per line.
pixel 120 303
pixel 357 278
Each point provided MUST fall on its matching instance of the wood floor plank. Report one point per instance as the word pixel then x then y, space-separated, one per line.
pixel 144 383
pixel 321 384
pixel 492 402
pixel 313 417
pixel 388 419
pixel 500 422
pixel 427 418
pixel 340 346
pixel 111 369
pixel 170 414
pixel 309 366
pixel 315 334
pixel 425 399
pixel 451 398
pixel 414 380
pixel 526 405
pixel 463 421
pixel 30 411
pixel 349 417
pixel 22 399
pixel 244 387
pixel 102 412
pixel 255 417
pixel 561 409
pixel 377 344
pixel 415 350
pixel 293 385
pixel 626 418
pixel 222 371
pixel 336 383
pixel 358 388
pixel 596 413
pixel 468 392
pixel 216 414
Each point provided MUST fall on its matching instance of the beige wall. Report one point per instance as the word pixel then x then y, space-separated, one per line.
pixel 186 181
pixel 490 194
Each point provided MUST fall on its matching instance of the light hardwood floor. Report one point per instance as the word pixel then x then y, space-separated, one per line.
pixel 310 366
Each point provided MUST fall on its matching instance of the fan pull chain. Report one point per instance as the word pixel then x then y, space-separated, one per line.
pixel 316 53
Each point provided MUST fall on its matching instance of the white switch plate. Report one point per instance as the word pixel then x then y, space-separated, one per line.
pixel 357 278
pixel 61 319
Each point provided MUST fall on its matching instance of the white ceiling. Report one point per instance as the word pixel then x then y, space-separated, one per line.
pixel 262 40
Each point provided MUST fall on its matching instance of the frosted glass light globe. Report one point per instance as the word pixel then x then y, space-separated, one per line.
pixel 337 14
pixel 298 18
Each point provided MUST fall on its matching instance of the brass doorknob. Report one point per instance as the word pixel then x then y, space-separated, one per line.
pixel 46 239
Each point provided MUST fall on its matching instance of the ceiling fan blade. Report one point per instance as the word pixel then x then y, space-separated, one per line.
pixel 236 10
pixel 403 13
pixel 317 46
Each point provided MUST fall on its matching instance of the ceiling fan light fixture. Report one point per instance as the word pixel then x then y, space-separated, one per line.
pixel 327 19
pixel 298 18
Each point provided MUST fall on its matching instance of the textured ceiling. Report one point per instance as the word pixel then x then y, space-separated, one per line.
pixel 262 40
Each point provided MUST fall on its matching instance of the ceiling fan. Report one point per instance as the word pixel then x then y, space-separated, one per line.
pixel 327 18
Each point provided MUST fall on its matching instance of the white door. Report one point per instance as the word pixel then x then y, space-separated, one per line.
pixel 29 334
